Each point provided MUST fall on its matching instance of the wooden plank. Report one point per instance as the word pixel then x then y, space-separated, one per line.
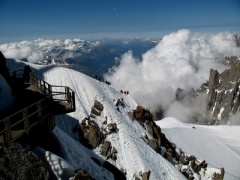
pixel 15 135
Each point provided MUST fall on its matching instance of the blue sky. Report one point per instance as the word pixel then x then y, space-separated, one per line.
pixel 96 19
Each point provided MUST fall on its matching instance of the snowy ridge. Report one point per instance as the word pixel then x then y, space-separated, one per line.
pixel 134 155
pixel 218 145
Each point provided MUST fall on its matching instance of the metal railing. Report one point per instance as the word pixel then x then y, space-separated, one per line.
pixel 40 112
pixel 59 94
pixel 56 93
pixel 19 123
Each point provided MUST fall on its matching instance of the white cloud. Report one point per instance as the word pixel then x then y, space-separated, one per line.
pixel 190 109
pixel 32 51
pixel 181 59
pixel 234 119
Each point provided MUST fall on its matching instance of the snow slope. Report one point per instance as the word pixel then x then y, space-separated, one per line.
pixel 133 156
pixel 218 145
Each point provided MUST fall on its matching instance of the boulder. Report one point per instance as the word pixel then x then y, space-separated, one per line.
pixel 153 144
pixel 118 174
pixel 82 175
pixel 179 94
pixel 98 105
pixel 112 127
pixel 105 148
pixel 95 112
pixel 91 134
pixel 131 115
pixel 145 175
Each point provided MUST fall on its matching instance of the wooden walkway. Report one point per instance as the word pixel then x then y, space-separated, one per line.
pixel 36 104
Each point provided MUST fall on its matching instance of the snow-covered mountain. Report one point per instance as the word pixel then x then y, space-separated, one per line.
pixel 109 135
pixel 81 55
pixel 218 145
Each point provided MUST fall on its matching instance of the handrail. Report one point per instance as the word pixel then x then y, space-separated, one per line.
pixel 23 120
pixel 35 114
pixel 55 92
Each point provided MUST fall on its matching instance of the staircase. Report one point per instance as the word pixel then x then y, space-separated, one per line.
pixel 52 100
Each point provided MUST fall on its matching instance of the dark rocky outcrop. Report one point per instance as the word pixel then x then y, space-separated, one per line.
pixel 19 165
pixel 105 148
pixel 179 94
pixel 97 109
pixel 108 151
pixel 146 175
pixel 82 175
pixel 90 133
pixel 98 105
pixel 111 128
pixel 159 142
pixel 146 119
pixel 223 93
pixel 118 175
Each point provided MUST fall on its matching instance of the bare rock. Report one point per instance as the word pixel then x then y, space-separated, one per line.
pixel 95 112
pixel 105 148
pixel 145 175
pixel 118 174
pixel 21 165
pixel 99 106
pixel 153 144
pixel 82 175
pixel 91 134
pixel 224 93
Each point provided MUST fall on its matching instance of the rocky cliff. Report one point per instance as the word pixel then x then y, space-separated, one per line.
pixel 223 95
pixel 223 92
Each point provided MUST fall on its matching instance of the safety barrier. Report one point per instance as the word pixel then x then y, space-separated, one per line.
pixel 56 93
pixel 39 113
pixel 19 123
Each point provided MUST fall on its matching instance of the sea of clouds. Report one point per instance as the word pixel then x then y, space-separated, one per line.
pixel 34 51
pixel 182 59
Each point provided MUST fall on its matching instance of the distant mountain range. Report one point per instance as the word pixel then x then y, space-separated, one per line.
pixel 95 57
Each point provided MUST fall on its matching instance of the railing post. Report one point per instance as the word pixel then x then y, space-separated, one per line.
pixel 31 78
pixel 34 79
pixel 38 84
pixel 39 109
pixel 68 95
pixel 8 136
pixel 41 86
pixel 50 90
pixel 44 87
pixel 51 123
pixel 73 101
pixel 26 120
